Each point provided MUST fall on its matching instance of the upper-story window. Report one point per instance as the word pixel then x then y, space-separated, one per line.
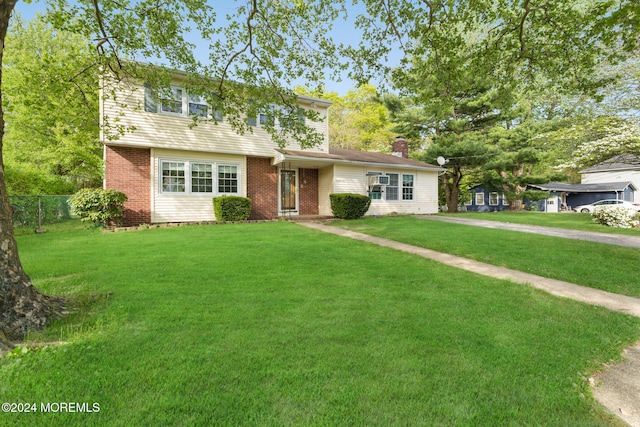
pixel 274 115
pixel 171 102
pixel 177 101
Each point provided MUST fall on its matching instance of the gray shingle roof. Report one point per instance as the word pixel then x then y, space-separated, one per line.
pixel 354 156
pixel 621 162
pixel 584 188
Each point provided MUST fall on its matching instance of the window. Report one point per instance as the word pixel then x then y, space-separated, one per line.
pixel 201 178
pixel 171 102
pixel 267 118
pixel 173 177
pixel 198 177
pixel 375 192
pixel 505 201
pixel 198 106
pixel 177 101
pixel 392 187
pixel 480 198
pixel 407 187
pixel 227 179
pixel 290 115
pixel 392 190
pixel 493 199
pixel 468 198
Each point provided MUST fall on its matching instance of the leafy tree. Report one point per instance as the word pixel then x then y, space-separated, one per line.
pixel 256 51
pixel 464 153
pixel 520 162
pixel 52 133
pixel 359 120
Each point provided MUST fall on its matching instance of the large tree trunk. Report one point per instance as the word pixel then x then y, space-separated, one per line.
pixel 22 307
pixel 451 183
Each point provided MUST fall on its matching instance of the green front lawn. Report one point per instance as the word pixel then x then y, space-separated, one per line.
pixel 275 324
pixel 601 266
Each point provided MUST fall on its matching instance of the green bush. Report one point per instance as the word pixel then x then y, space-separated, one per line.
pixel 101 207
pixel 231 208
pixel 348 205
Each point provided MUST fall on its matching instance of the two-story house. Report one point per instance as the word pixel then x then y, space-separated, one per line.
pixel 171 171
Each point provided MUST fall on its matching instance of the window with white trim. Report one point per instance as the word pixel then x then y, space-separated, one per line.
pixel 505 201
pixel 407 187
pixel 391 190
pixel 176 101
pixel 493 199
pixel 171 102
pixel 201 177
pixel 286 117
pixel 198 106
pixel 267 118
pixel 480 198
pixel 197 177
pixel 227 179
pixel 173 177
pixel 375 192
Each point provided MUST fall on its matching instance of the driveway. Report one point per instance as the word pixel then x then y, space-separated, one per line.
pixel 611 239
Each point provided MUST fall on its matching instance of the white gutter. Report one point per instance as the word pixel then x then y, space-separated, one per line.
pixel 280 158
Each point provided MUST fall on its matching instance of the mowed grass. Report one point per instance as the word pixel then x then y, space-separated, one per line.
pixel 570 220
pixel 275 324
pixel 601 266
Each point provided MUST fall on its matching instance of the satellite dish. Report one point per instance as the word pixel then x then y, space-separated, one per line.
pixel 442 161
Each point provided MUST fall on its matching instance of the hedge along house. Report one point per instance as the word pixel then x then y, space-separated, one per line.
pixel 170 171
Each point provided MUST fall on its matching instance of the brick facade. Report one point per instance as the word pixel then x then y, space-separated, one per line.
pixel 308 197
pixel 129 170
pixel 262 188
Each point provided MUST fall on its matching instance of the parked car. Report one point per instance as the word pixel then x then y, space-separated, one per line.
pixel 608 202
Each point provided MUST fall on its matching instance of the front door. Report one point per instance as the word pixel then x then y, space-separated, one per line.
pixel 288 191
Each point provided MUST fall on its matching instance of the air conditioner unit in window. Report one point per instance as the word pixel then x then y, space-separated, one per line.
pixel 378 180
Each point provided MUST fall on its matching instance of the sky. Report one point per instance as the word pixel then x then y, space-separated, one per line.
pixel 343 32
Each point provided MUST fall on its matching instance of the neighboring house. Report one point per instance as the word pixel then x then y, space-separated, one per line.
pixel 480 199
pixel 622 168
pixel 170 171
pixel 566 196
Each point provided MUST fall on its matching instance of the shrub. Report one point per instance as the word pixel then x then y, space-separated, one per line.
pixel 101 207
pixel 616 216
pixel 231 208
pixel 348 205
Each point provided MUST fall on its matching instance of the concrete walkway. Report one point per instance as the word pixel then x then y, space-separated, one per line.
pixel 617 388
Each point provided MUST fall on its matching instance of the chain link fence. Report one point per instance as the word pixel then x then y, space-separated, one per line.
pixel 37 211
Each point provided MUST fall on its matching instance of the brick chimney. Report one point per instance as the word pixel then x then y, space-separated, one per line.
pixel 400 148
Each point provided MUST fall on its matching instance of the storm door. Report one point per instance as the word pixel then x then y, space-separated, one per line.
pixel 288 191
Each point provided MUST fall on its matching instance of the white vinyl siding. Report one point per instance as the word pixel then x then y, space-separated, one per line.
pixel 173 131
pixel 192 205
pixel 352 179
pixel 325 187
